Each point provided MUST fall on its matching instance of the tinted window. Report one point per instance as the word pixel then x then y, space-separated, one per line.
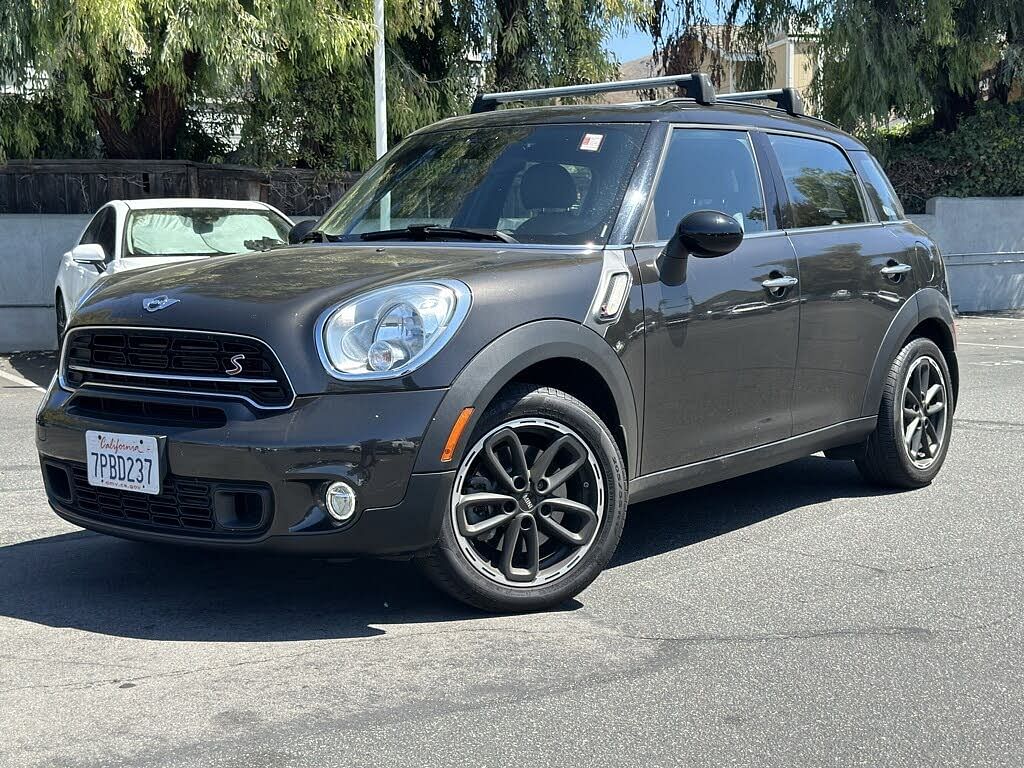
pixel 106 235
pixel 882 195
pixel 821 184
pixel 707 170
pixel 538 183
pixel 91 234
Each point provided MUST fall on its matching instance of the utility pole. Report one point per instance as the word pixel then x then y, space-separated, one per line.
pixel 380 106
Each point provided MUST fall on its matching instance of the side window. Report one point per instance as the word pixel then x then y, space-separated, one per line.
pixel 883 196
pixel 106 235
pixel 821 184
pixel 707 170
pixel 91 233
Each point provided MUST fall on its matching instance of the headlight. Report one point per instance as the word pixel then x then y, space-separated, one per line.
pixel 391 331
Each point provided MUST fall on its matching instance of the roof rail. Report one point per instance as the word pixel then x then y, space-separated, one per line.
pixel 784 98
pixel 696 86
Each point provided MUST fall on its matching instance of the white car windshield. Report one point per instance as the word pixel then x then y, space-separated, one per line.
pixel 202 231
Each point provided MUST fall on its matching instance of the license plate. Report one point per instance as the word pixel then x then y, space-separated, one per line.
pixel 126 462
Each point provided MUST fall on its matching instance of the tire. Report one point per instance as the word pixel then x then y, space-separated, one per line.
pixel 892 459
pixel 472 566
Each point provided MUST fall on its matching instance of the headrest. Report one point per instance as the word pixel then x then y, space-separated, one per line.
pixel 547 185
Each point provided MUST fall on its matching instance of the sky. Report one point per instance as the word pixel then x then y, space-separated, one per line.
pixel 634 44
pixel 630 45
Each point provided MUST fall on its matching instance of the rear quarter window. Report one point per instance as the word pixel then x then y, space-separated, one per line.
pixel 880 190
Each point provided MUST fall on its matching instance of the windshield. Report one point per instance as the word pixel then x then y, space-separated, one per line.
pixel 558 184
pixel 202 231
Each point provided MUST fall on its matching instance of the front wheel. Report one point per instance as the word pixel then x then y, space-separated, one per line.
pixel 915 420
pixel 537 506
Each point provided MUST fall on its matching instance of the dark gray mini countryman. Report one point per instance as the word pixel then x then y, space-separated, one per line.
pixel 515 324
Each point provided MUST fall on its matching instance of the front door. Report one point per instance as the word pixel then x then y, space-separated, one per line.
pixel 720 345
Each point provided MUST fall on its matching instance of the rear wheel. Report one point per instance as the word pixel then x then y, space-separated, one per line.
pixel 915 421
pixel 537 506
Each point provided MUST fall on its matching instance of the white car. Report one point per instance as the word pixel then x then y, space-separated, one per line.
pixel 139 234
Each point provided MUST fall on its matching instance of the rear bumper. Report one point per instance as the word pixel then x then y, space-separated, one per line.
pixel 368 440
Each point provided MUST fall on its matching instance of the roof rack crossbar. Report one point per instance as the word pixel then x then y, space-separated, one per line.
pixel 696 86
pixel 784 98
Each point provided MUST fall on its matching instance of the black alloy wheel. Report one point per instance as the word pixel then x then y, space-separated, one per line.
pixel 915 420
pixel 537 505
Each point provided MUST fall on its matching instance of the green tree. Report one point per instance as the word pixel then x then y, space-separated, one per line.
pixel 916 59
pixel 435 62
pixel 174 78
pixel 135 67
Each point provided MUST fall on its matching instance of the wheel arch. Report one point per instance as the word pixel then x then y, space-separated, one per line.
pixel 554 353
pixel 926 314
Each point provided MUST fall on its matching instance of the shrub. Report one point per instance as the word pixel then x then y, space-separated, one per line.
pixel 983 157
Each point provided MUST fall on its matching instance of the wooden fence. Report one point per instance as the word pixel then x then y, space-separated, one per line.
pixel 82 186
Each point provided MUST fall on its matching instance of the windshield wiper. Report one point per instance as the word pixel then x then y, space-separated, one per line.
pixel 430 231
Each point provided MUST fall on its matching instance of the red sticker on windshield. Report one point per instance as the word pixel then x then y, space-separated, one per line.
pixel 591 142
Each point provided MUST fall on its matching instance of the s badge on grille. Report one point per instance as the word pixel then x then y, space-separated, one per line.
pixel 236 365
pixel 156 303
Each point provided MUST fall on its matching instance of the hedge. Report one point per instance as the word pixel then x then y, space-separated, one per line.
pixel 984 157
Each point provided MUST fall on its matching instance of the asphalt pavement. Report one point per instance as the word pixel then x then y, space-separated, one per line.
pixel 791 617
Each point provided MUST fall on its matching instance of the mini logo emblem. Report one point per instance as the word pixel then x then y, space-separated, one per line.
pixel 156 303
pixel 527 502
pixel 236 365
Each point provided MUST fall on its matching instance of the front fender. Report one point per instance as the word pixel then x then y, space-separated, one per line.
pixel 511 354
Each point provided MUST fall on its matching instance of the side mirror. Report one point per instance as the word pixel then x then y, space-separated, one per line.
pixel 88 253
pixel 300 230
pixel 707 234
pixel 704 234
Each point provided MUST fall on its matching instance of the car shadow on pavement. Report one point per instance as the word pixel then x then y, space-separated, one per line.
pixel 684 519
pixel 37 367
pixel 116 587
pixel 110 586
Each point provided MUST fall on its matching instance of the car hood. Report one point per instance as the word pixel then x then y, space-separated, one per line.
pixel 277 296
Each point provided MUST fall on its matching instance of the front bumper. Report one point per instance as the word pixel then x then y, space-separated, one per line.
pixel 369 440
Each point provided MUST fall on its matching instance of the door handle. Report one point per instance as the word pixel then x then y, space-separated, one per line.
pixel 896 269
pixel 786 281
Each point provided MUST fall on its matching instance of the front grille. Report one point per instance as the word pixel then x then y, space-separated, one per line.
pixel 188 362
pixel 186 505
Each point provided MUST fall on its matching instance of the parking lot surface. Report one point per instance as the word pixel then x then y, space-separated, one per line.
pixel 791 617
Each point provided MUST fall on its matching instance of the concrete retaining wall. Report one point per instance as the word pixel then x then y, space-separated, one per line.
pixel 31 246
pixel 982 240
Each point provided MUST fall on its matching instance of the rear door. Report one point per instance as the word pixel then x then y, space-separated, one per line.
pixel 720 345
pixel 854 277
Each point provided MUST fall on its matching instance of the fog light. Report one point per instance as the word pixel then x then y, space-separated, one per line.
pixel 341 501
